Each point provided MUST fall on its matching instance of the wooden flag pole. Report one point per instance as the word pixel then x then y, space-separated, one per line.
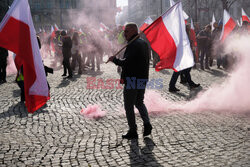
pixel 137 36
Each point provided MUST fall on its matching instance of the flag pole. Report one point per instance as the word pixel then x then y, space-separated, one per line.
pixel 137 36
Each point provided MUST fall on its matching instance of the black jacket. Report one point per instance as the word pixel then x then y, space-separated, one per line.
pixel 66 46
pixel 135 62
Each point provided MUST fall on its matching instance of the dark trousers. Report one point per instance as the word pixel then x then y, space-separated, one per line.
pixel 135 97
pixel 3 66
pixel 21 86
pixel 205 53
pixel 186 77
pixel 66 66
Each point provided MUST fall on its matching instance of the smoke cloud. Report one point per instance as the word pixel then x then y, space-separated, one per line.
pixel 231 96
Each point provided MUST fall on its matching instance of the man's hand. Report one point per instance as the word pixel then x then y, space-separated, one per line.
pixel 110 59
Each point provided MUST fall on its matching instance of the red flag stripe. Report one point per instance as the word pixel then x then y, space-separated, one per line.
pixel 228 28
pixel 25 57
pixel 158 36
pixel 245 18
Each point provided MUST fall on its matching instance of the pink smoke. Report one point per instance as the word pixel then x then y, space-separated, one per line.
pixel 232 96
pixel 11 67
pixel 93 112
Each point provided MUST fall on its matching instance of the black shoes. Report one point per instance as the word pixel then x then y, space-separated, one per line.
pixel 130 135
pixel 173 89
pixel 147 129
pixel 63 75
pixel 192 86
pixel 133 134
pixel 70 76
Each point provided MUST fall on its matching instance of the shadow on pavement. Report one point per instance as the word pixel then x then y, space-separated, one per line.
pixel 144 156
pixel 165 72
pixel 64 83
pixel 93 73
pixel 16 93
pixel 194 92
pixel 217 73
pixel 20 110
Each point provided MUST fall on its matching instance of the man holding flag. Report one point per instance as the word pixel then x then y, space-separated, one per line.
pixel 135 71
pixel 18 35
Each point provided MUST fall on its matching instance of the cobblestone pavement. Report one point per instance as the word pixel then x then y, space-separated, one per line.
pixel 58 135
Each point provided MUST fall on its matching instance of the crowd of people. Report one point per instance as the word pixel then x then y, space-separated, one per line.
pixel 83 49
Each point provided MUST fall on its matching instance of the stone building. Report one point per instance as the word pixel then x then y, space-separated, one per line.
pixel 139 10
pixel 65 13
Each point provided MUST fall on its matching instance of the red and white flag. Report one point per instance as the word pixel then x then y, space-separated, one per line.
pixel 245 16
pixel 172 3
pixel 168 38
pixel 56 28
pixel 146 23
pixel 228 25
pixel 17 34
pixel 103 27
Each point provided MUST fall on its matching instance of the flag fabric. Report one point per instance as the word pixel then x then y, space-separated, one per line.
pixel 245 16
pixel 168 38
pixel 17 34
pixel 56 27
pixel 213 21
pixel 103 27
pixel 172 3
pixel 228 25
pixel 146 23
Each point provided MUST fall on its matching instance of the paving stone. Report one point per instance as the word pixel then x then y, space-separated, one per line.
pixel 57 135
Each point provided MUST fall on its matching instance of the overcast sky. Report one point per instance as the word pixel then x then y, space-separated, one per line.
pixel 121 2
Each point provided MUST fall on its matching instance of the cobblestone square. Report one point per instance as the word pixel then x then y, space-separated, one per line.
pixel 57 135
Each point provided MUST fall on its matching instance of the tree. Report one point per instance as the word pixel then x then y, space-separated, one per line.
pixel 227 4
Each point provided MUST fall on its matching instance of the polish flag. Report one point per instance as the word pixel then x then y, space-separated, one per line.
pixel 245 16
pixel 193 38
pixel 17 34
pixel 172 3
pixel 228 25
pixel 167 36
pixel 146 23
pixel 56 28
pixel 103 27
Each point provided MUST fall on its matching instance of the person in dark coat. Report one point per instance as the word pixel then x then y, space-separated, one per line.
pixel 66 51
pixel 3 64
pixel 204 40
pixel 76 56
pixel 185 74
pixel 135 72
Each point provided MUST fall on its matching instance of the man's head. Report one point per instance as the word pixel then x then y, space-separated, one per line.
pixel 63 33
pixel 131 29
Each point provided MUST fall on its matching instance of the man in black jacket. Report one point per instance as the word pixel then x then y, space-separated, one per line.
pixel 135 71
pixel 66 51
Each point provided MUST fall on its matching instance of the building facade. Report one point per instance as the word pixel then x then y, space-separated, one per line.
pixel 139 10
pixel 66 13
